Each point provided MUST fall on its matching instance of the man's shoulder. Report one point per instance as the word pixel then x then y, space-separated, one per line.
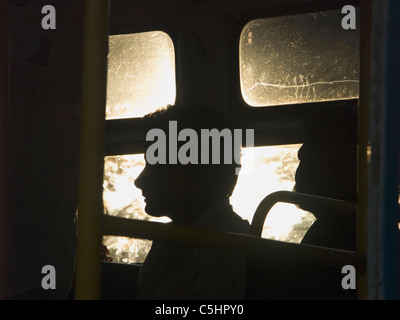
pixel 238 224
pixel 221 217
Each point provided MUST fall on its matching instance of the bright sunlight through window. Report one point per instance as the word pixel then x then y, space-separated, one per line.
pixel 271 169
pixel 141 79
pixel 141 74
pixel 298 59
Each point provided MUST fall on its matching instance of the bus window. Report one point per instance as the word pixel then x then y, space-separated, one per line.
pixel 298 59
pixel 141 74
pixel 140 79
pixel 264 170
pixel 121 198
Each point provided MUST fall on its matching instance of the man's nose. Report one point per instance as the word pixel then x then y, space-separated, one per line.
pixel 300 152
pixel 139 180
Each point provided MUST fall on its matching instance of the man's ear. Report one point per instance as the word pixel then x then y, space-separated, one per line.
pixel 186 179
pixel 178 178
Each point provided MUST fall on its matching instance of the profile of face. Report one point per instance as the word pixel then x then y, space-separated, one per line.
pixel 159 188
pixel 179 192
pixel 306 177
pixel 328 160
pixel 183 191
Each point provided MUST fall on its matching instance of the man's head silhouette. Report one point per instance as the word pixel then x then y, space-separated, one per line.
pixel 328 157
pixel 183 192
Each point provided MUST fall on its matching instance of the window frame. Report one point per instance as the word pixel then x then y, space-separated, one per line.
pixel 274 125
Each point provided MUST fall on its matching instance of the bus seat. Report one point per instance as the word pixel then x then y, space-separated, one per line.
pixel 295 198
pixel 286 278
pixel 118 281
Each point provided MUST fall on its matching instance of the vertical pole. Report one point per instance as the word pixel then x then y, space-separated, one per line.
pixel 363 141
pixel 88 267
pixel 384 90
pixel 390 151
pixel 4 140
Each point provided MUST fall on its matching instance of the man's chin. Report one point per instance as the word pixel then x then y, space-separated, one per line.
pixel 153 210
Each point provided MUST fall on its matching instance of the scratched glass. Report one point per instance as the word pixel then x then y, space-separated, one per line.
pixel 268 169
pixel 299 59
pixel 141 74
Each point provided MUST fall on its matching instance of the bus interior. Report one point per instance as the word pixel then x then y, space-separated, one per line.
pixel 72 102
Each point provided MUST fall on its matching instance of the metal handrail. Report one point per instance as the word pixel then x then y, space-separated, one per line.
pixel 295 198
pixel 244 243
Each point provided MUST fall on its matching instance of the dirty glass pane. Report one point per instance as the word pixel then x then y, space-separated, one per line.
pixel 121 198
pixel 141 74
pixel 264 170
pixel 299 58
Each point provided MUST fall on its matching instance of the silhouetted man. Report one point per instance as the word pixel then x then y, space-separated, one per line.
pixel 328 168
pixel 190 194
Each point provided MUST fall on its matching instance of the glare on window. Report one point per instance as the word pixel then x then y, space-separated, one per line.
pixel 298 59
pixel 121 198
pixel 271 169
pixel 141 74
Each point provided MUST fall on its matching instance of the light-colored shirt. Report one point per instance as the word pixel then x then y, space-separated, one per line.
pixel 175 271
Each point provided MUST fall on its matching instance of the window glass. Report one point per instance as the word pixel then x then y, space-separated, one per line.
pixel 141 74
pixel 265 170
pixel 298 59
pixel 121 198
